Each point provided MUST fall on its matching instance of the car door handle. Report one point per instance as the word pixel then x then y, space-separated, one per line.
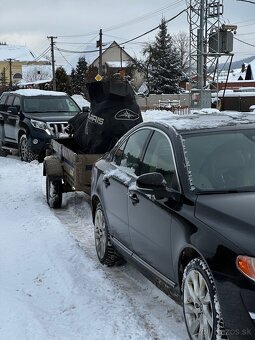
pixel 106 181
pixel 134 198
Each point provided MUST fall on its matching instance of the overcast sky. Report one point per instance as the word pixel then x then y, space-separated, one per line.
pixel 76 23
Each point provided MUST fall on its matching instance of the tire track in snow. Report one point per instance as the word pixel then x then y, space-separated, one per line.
pixel 159 315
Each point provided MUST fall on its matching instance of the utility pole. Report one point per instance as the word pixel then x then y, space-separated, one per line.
pixel 10 60
pixel 52 43
pixel 204 20
pixel 3 77
pixel 100 45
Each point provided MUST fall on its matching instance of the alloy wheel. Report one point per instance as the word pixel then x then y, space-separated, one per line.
pixel 198 306
pixel 23 148
pixel 100 234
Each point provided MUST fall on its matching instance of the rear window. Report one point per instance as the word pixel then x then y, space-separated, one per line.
pixel 42 104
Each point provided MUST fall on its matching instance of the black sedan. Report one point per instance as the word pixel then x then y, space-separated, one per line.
pixel 177 198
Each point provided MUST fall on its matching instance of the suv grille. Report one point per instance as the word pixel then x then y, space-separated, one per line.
pixel 58 129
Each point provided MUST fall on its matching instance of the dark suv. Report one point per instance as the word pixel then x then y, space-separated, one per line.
pixel 29 118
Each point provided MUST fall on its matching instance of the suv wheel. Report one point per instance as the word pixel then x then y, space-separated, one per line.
pixel 105 251
pixel 26 154
pixel 200 302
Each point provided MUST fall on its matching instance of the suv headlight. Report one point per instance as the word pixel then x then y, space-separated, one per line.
pixel 41 125
pixel 246 265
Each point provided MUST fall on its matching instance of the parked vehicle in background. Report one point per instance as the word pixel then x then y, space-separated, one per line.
pixel 30 118
pixel 177 198
pixel 81 101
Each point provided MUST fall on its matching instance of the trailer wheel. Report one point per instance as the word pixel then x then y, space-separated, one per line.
pixel 53 192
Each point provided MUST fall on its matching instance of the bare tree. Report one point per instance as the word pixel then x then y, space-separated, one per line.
pixel 32 73
pixel 181 41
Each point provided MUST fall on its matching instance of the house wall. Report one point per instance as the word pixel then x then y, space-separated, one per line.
pixel 16 67
pixel 237 103
pixel 114 53
pixel 237 84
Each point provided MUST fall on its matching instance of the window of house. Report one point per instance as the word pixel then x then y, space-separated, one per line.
pixel 17 76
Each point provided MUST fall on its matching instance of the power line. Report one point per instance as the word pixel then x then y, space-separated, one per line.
pixel 142 18
pixel 251 2
pixel 240 22
pixel 130 40
pixel 64 57
pixel 42 54
pixel 246 33
pixel 244 42
pixel 135 20
pixel 153 29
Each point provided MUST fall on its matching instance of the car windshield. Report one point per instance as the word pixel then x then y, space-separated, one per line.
pixel 42 104
pixel 222 161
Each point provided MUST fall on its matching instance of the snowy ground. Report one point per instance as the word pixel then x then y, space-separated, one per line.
pixel 52 285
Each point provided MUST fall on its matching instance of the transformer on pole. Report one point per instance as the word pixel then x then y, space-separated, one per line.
pixel 208 41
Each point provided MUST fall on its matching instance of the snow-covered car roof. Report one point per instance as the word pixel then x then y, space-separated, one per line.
pixel 204 119
pixel 36 92
pixel 80 100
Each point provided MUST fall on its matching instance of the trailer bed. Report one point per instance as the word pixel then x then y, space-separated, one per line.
pixel 67 169
pixel 76 165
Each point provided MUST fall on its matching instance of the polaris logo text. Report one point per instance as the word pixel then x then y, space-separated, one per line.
pixel 126 114
pixel 96 119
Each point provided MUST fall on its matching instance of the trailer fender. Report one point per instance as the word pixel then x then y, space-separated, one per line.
pixel 52 167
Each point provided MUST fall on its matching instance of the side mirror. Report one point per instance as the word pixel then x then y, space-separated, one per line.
pixel 153 183
pixel 13 110
pixel 85 109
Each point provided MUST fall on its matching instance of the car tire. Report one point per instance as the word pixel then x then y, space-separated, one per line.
pixel 200 302
pixel 26 154
pixel 53 192
pixel 105 251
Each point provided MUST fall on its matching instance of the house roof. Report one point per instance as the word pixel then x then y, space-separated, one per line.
pixel 237 74
pixel 19 53
pixel 252 66
pixel 112 45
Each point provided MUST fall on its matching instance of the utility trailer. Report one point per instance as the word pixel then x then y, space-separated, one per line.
pixel 66 169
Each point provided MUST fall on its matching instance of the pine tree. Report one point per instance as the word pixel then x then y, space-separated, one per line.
pixel 79 76
pixel 63 83
pixel 164 62
pixel 72 78
pixel 91 73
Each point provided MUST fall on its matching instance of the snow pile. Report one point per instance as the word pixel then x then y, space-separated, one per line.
pixel 200 119
pixel 51 288
pixel 35 92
